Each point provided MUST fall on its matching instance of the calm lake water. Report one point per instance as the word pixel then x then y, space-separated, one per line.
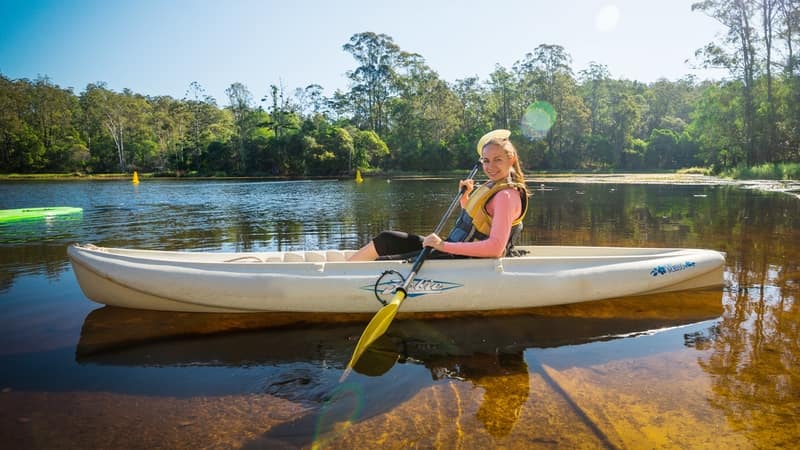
pixel 703 369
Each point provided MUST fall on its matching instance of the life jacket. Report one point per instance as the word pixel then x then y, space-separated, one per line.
pixel 475 223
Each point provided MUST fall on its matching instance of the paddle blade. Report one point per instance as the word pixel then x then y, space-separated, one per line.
pixel 375 329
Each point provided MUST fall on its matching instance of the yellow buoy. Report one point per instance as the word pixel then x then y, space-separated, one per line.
pixel 358 176
pixel 135 177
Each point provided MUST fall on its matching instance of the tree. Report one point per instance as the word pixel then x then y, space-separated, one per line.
pixel 502 88
pixel 595 80
pixel 310 101
pixel 369 149
pixel 717 127
pixel 373 81
pixel 769 14
pixel 169 124
pixel 425 117
pixel 20 148
pixel 52 117
pixel 120 117
pixel 203 113
pixel 626 111
pixel 240 101
pixel 546 76
pixel 475 118
pixel 739 59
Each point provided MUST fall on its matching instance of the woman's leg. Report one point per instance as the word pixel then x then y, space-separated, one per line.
pixel 365 253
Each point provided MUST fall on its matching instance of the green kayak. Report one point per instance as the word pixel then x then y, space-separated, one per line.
pixel 13 215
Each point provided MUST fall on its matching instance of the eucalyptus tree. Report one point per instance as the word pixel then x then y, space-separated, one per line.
pixel 283 116
pixel 627 106
pixel 142 147
pixel 340 106
pixel 424 117
pixel 373 82
pixel 169 123
pixel 716 125
pixel 203 114
pixel 503 86
pixel 475 117
pixel 789 16
pixel 120 116
pixel 790 32
pixel 737 53
pixel 542 68
pixel 96 136
pixel 20 148
pixel 116 122
pixel 310 101
pixel 286 150
pixel 788 124
pixel 769 15
pixel 52 115
pixel 241 106
pixel 594 83
pixel 546 75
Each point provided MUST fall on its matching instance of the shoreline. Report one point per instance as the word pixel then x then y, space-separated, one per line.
pixel 791 187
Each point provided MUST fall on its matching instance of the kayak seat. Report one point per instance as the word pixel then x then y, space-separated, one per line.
pixel 307 256
pixel 293 257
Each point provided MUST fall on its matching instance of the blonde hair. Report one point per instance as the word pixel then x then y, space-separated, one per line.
pixel 515 174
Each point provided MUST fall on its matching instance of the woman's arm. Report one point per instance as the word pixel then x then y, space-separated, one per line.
pixel 504 207
pixel 467 185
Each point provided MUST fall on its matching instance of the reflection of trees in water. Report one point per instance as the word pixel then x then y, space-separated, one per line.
pixel 48 258
pixel 755 366
pixel 755 348
pixel 504 378
pixel 486 352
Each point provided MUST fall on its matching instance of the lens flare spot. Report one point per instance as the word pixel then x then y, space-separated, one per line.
pixel 607 18
pixel 537 120
pixel 341 410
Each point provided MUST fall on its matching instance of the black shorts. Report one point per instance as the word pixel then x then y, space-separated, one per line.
pixel 390 243
pixel 401 245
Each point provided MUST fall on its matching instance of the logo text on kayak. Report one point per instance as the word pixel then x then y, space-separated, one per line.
pixel 671 268
pixel 419 286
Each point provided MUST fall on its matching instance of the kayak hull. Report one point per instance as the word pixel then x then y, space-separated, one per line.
pixel 14 215
pixel 323 281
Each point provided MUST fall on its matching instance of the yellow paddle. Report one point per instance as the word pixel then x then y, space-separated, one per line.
pixel 380 322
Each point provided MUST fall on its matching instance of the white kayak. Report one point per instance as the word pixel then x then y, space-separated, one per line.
pixel 323 281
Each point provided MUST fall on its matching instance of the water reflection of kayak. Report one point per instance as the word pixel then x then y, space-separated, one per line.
pixel 120 336
pixel 302 355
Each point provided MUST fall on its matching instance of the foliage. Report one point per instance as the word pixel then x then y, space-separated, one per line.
pixel 771 171
pixel 398 114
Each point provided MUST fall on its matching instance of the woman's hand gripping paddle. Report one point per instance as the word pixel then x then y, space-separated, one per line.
pixel 380 322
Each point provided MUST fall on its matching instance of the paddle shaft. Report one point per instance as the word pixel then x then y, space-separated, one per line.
pixel 383 318
pixel 423 254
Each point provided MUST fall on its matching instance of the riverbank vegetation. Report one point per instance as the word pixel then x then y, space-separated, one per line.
pixel 399 115
pixel 765 172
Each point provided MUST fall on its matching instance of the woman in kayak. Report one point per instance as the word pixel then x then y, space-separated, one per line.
pixel 491 217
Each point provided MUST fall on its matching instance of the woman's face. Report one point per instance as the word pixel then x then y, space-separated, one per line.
pixel 497 162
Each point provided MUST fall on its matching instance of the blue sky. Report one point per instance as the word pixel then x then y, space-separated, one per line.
pixel 159 47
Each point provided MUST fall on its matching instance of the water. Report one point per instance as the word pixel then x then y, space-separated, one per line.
pixel 712 368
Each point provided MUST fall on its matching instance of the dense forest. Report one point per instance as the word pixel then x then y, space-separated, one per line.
pixel 399 115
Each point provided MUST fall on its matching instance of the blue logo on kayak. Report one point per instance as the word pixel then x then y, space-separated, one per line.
pixel 419 286
pixel 671 268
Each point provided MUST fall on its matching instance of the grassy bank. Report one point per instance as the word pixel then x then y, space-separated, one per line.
pixel 769 171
